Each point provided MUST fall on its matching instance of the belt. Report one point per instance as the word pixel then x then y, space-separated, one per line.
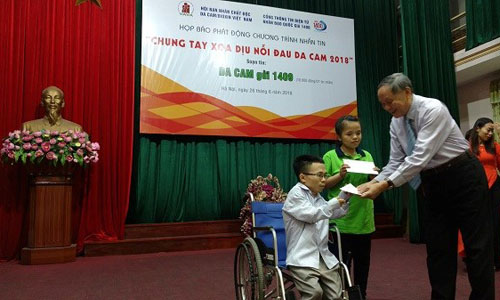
pixel 447 165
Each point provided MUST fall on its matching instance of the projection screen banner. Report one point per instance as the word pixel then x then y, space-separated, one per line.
pixel 230 69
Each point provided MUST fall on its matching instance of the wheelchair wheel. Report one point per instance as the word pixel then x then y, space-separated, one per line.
pixel 248 275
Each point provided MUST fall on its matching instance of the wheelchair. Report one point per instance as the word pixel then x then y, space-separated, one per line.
pixel 260 262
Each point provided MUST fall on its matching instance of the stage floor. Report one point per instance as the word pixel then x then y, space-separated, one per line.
pixel 398 272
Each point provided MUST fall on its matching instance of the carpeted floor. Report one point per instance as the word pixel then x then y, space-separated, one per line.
pixel 398 272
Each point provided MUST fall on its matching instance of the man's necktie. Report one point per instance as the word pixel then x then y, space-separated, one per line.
pixel 410 133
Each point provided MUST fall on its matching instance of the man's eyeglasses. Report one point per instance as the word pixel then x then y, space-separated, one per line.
pixel 319 175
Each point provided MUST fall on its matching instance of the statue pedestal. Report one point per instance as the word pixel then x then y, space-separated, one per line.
pixel 49 217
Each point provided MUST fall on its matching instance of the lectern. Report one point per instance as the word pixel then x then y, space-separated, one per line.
pixel 51 159
pixel 49 216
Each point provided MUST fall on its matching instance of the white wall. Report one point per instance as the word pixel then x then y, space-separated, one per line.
pixel 474 100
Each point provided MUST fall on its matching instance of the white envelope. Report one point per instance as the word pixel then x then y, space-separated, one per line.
pixel 358 166
pixel 349 188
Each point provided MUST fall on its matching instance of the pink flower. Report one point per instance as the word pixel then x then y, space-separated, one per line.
pixel 11 155
pixel 34 146
pixel 61 144
pixel 10 146
pixel 61 151
pixel 79 152
pixel 37 134
pixel 38 153
pixel 95 146
pixel 45 146
pixel 67 139
pixel 54 133
pixel 267 188
pixel 81 140
pixel 69 158
pixel 53 141
pixel 27 146
pixel 51 155
pixel 27 138
pixel 29 154
pixel 16 134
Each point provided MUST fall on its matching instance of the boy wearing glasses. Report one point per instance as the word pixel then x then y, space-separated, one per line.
pixel 306 214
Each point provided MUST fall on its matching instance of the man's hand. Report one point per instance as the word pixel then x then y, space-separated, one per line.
pixel 372 189
pixel 373 176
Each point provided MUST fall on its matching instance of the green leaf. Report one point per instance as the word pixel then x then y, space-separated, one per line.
pixel 16 156
pixel 23 158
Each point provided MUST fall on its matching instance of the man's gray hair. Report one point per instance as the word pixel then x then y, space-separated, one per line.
pixel 396 82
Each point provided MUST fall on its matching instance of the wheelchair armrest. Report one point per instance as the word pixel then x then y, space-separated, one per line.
pixel 266 228
pixel 275 240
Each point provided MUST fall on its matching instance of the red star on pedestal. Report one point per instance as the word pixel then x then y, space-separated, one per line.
pixel 96 2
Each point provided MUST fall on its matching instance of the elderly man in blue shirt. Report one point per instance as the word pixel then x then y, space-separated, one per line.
pixel 429 152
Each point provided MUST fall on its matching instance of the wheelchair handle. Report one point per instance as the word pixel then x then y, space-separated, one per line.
pixel 339 242
pixel 341 260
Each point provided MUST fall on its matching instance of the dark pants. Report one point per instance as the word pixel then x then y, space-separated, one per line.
pixel 495 194
pixel 457 198
pixel 356 248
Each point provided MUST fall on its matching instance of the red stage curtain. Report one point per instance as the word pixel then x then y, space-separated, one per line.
pixel 89 54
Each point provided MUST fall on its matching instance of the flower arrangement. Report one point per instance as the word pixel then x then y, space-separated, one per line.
pixel 58 148
pixel 263 189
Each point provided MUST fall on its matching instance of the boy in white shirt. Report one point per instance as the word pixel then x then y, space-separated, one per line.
pixel 306 214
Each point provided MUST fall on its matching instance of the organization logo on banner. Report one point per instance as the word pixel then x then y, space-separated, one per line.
pixel 319 25
pixel 186 8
